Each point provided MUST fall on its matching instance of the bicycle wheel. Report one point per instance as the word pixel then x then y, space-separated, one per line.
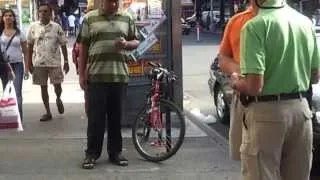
pixel 161 142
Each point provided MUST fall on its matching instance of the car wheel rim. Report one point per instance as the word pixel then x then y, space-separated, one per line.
pixel 220 105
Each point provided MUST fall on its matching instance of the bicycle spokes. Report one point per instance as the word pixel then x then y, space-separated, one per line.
pixel 158 136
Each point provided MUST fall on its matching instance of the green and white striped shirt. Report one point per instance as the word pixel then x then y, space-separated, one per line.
pixel 99 32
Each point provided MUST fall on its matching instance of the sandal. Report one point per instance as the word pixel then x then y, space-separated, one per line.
pixel 46 117
pixel 88 163
pixel 60 105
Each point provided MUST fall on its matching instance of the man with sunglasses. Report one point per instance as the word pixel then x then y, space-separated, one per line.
pixel 44 39
pixel 103 72
pixel 279 57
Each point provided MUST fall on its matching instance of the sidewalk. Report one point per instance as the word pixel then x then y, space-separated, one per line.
pixel 54 151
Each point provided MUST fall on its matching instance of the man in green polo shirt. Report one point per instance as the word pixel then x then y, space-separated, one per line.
pixel 106 33
pixel 279 58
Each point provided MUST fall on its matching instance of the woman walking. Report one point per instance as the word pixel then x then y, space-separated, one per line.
pixel 14 47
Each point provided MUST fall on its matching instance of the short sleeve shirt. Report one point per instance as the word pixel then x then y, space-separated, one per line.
pixel 280 45
pixel 46 40
pixel 99 32
pixel 230 44
pixel 14 51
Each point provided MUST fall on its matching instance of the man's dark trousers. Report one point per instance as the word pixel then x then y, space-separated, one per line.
pixel 105 100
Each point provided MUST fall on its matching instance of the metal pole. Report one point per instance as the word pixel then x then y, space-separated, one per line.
pixel 211 14
pixel 198 31
pixel 19 8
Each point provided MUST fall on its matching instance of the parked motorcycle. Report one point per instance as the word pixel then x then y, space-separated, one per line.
pixel 186 28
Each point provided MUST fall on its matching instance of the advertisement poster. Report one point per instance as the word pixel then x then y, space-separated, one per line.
pixel 149 16
pixel 144 47
pixel 152 25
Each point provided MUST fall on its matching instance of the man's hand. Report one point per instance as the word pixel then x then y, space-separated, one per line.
pixel 66 67
pixel 31 68
pixel 83 82
pixel 26 75
pixel 235 76
pixel 120 44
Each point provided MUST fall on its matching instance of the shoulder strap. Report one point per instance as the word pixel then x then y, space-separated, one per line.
pixel 9 43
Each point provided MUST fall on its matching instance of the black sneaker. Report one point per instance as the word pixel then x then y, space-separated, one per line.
pixel 88 163
pixel 118 159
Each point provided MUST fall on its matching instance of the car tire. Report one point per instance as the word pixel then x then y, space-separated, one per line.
pixel 222 107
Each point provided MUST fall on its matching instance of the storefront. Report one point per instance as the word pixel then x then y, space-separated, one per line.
pixel 22 9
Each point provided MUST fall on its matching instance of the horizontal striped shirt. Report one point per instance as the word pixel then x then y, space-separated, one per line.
pixel 99 32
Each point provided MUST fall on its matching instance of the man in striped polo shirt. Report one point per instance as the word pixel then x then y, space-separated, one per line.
pixel 106 34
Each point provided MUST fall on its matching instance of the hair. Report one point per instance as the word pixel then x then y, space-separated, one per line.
pixel 45 4
pixel 15 24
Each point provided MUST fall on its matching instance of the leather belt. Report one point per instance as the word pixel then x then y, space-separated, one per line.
pixel 280 97
pixel 246 100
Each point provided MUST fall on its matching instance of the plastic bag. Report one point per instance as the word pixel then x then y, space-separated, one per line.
pixel 9 111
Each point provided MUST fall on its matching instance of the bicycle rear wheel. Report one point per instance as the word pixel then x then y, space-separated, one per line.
pixel 159 144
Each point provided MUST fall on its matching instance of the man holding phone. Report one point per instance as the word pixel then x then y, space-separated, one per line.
pixel 105 34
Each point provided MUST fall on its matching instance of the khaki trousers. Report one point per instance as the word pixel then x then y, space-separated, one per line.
pixel 277 141
pixel 235 131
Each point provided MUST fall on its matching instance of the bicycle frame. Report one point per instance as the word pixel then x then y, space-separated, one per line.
pixel 155 118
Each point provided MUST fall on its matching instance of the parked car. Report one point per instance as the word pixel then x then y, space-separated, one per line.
pixel 220 89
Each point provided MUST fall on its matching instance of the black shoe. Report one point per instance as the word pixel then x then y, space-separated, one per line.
pixel 88 163
pixel 118 159
pixel 46 117
pixel 60 106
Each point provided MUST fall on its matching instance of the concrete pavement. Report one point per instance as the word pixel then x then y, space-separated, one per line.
pixel 54 151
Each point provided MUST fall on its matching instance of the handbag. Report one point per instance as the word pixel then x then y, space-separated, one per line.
pixel 9 111
pixel 4 58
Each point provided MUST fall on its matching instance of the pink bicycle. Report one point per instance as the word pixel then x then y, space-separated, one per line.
pixel 159 129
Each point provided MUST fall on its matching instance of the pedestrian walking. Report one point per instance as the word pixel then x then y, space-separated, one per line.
pixel 106 34
pixel 64 22
pixel 278 58
pixel 14 46
pixel 44 38
pixel 229 61
pixel 72 25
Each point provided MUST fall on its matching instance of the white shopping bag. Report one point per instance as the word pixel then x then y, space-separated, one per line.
pixel 9 111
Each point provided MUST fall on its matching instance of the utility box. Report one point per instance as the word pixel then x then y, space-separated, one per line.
pixel 159 23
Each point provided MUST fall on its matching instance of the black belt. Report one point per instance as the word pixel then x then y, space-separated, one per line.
pixel 246 100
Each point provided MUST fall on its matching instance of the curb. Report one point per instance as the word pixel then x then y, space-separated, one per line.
pixel 214 135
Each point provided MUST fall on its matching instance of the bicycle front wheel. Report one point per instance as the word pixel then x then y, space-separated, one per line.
pixel 158 143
